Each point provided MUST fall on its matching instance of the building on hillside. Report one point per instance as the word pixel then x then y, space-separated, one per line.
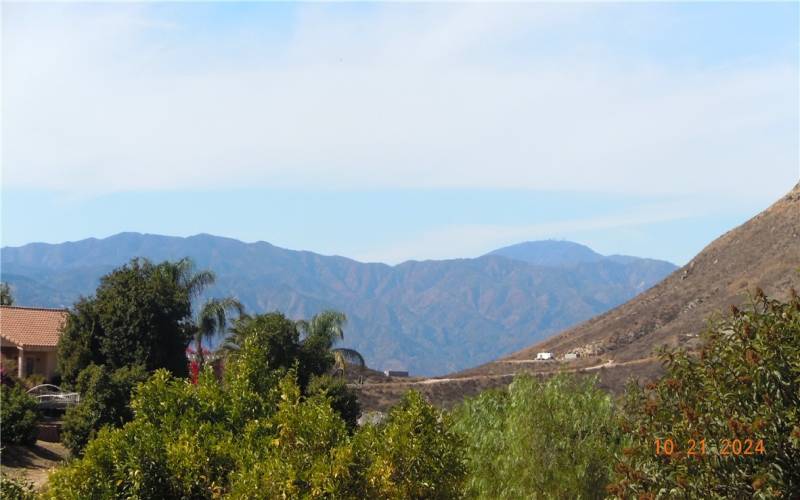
pixel 28 339
pixel 544 356
pixel 571 356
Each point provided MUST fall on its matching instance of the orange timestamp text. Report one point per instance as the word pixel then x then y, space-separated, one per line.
pixel 698 447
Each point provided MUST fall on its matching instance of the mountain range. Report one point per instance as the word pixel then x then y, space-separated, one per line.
pixel 764 253
pixel 623 343
pixel 429 317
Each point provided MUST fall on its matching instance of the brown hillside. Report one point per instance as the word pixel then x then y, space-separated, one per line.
pixel 763 252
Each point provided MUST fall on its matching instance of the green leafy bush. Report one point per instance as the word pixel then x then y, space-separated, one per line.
pixel 743 385
pixel 415 453
pixel 539 439
pixel 12 489
pixel 18 416
pixel 343 400
pixel 105 400
pixel 256 435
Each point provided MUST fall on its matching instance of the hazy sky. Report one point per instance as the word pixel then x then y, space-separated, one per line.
pixel 392 131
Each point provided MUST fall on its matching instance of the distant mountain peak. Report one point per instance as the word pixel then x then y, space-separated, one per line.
pixel 563 253
pixel 554 253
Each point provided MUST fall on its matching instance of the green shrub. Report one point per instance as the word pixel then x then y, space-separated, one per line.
pixel 343 400
pixel 18 416
pixel 415 453
pixel 105 400
pixel 539 439
pixel 12 489
pixel 301 451
pixel 211 440
pixel 743 385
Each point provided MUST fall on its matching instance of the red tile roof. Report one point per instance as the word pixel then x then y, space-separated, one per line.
pixel 30 327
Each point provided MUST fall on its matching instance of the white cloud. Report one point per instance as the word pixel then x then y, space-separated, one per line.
pixel 115 98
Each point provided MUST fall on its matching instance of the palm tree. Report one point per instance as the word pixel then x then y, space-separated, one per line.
pixel 237 334
pixel 213 321
pixel 328 327
pixel 183 272
pixel 213 318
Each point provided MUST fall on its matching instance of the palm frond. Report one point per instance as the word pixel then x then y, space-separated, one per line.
pixel 327 326
pixel 346 356
pixel 214 317
pixel 198 281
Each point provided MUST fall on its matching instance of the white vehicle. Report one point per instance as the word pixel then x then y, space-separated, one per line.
pixel 544 356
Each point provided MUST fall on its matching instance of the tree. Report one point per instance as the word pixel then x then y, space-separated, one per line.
pixel 324 330
pixel 140 315
pixel 6 299
pixel 274 334
pixel 213 320
pixel 539 439
pixel 724 423
pixel 308 342
pixel 213 317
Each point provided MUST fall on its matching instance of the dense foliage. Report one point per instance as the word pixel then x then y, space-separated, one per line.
pixel 343 400
pixel 18 415
pixel 286 343
pixel 539 439
pixel 743 386
pixel 140 315
pixel 14 489
pixel 255 435
pixel 104 401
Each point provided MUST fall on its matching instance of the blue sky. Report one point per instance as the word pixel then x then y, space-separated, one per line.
pixel 398 131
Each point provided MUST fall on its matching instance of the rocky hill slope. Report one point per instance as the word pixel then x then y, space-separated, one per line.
pixel 764 252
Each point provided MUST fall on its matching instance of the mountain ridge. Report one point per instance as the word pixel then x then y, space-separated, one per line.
pixel 763 252
pixel 430 317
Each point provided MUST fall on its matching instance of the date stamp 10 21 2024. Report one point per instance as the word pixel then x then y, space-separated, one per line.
pixel 700 448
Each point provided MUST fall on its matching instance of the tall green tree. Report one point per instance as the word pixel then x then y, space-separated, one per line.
pixel 279 342
pixel 274 341
pixel 325 330
pixel 6 299
pixel 139 315
pixel 315 338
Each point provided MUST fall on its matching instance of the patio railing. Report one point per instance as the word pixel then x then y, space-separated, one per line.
pixel 52 397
